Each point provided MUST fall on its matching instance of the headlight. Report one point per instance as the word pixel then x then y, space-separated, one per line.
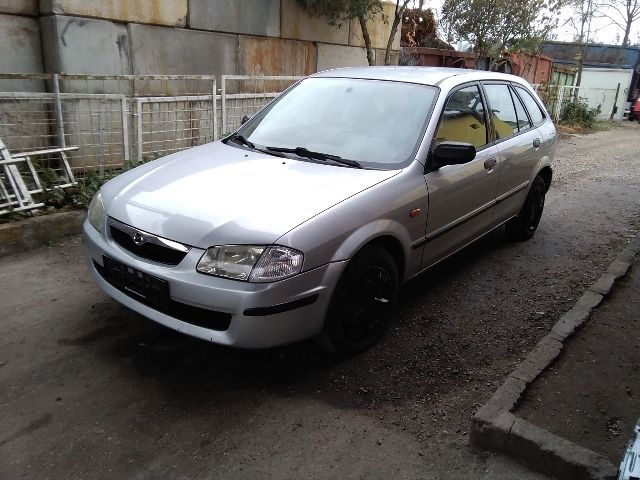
pixel 251 263
pixel 96 213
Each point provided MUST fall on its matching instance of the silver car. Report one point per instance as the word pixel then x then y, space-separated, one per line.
pixel 306 221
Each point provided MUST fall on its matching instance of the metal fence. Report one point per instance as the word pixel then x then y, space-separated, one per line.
pixel 557 97
pixel 115 120
pixel 242 95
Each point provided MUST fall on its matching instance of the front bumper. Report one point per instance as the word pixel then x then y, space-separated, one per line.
pixel 261 314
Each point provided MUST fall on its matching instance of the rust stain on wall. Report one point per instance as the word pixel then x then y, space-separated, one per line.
pixel 157 12
pixel 274 56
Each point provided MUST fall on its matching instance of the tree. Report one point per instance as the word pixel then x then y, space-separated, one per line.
pixel 585 11
pixel 339 11
pixel 493 26
pixel 420 29
pixel 622 14
pixel 399 10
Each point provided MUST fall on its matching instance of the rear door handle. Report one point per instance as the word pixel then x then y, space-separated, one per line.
pixel 536 143
pixel 490 163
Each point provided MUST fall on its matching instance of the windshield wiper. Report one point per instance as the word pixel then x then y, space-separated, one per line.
pixel 303 152
pixel 237 138
pixel 241 140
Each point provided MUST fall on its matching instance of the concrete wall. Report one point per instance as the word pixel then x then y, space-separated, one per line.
pixel 19 7
pixel 84 45
pixel 20 52
pixel 335 56
pixel 250 17
pixel 172 13
pixel 378 30
pixel 252 37
pixel 162 51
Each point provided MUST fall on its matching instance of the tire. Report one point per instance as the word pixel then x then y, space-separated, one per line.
pixel 362 303
pixel 523 226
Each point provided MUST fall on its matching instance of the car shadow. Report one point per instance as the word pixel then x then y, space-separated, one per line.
pixel 189 368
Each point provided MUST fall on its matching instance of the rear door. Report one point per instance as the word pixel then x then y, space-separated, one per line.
pixel 461 197
pixel 518 143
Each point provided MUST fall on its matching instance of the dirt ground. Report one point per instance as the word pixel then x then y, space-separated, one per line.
pixel 90 389
pixel 591 396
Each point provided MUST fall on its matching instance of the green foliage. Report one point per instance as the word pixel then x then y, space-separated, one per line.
pixel 493 26
pixel 339 11
pixel 80 194
pixel 77 196
pixel 578 113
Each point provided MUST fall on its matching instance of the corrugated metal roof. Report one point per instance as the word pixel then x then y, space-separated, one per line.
pixel 595 55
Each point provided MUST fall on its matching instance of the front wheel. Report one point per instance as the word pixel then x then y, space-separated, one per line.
pixel 523 226
pixel 362 303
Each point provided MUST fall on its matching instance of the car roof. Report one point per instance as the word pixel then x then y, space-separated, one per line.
pixel 422 75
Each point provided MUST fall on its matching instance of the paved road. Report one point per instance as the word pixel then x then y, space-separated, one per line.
pixel 89 389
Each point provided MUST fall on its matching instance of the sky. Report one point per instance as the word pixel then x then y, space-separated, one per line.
pixel 602 29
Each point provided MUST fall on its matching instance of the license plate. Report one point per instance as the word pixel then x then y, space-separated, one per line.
pixel 148 289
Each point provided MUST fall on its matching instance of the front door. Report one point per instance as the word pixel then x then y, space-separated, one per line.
pixel 461 197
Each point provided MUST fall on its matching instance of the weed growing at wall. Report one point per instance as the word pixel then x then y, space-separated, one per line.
pixel 577 113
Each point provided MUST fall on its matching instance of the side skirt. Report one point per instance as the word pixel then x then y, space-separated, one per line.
pixel 460 248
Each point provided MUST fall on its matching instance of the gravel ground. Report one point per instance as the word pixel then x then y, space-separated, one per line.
pixel 88 388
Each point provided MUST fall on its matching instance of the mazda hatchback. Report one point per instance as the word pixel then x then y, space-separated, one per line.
pixel 306 221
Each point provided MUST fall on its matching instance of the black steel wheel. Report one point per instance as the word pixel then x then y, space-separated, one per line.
pixel 523 226
pixel 362 303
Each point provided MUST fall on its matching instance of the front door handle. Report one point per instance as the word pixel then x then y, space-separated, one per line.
pixel 536 143
pixel 490 163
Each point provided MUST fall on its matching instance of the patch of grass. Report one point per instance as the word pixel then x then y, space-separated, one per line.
pixel 603 125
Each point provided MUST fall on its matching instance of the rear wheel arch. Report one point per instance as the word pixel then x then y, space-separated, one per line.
pixel 547 175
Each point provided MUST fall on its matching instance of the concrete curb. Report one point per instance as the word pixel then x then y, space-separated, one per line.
pixel 38 231
pixel 495 427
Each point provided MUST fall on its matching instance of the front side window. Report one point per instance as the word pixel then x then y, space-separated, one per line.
pixel 503 112
pixel 463 118
pixel 376 123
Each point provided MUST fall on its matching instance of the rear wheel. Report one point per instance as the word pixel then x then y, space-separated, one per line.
pixel 523 226
pixel 362 303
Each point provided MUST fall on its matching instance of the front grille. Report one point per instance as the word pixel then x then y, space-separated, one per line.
pixel 200 317
pixel 150 251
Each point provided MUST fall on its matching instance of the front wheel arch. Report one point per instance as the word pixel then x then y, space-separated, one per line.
pixel 362 302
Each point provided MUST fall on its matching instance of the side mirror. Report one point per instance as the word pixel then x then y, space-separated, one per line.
pixel 245 118
pixel 452 153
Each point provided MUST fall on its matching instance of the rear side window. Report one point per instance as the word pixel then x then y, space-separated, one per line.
pixel 535 112
pixel 503 112
pixel 463 118
pixel 523 120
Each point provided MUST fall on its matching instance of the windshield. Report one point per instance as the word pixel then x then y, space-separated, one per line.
pixel 377 123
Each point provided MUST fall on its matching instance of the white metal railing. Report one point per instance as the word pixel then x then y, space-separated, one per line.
pixel 557 97
pixel 114 120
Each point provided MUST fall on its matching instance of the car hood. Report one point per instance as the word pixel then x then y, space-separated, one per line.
pixel 216 194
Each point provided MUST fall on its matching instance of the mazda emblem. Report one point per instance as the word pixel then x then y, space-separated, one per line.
pixel 138 238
